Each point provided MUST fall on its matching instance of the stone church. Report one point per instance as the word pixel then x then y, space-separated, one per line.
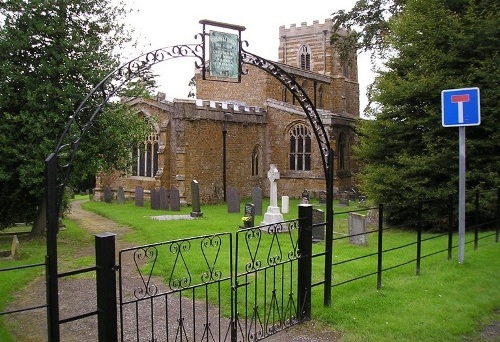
pixel 233 132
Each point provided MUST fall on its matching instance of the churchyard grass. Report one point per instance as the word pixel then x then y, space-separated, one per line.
pixel 447 302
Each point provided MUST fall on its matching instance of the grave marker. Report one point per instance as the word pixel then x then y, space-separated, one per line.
pixel 195 199
pixel 120 195
pixel 357 229
pixel 257 200
pixel 163 198
pixel 154 196
pixel 233 200
pixel 318 232
pixel 175 199
pixel 250 213
pixel 108 196
pixel 139 196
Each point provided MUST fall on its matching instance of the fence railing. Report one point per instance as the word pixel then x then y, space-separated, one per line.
pixel 28 308
pixel 422 246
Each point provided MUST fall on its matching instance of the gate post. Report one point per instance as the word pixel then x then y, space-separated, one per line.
pixel 106 287
pixel 51 276
pixel 305 262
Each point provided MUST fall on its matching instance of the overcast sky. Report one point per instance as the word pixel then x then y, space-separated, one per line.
pixel 162 23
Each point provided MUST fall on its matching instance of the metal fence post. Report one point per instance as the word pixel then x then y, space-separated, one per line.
pixel 380 234
pixel 498 215
pixel 51 277
pixel 419 234
pixel 476 218
pixel 106 287
pixel 304 271
pixel 450 226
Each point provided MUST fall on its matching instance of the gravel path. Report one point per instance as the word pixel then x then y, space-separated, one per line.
pixel 77 296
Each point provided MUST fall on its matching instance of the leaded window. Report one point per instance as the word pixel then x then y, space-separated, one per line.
pixel 305 57
pixel 145 156
pixel 300 148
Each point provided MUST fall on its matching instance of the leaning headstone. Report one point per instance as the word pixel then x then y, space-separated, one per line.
pixel 155 199
pixel 14 248
pixel 233 200
pixel 120 195
pixel 257 200
pixel 139 196
pixel 357 229
pixel 318 229
pixel 163 198
pixel 250 214
pixel 108 196
pixel 195 199
pixel 175 199
pixel 285 204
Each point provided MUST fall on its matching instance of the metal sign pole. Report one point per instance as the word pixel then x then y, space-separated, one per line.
pixel 461 194
pixel 460 108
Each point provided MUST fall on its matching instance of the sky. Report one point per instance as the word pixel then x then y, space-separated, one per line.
pixel 163 23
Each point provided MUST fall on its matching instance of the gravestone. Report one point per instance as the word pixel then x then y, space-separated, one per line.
pixel 163 198
pixel 257 200
pixel 250 213
pixel 273 214
pixel 322 197
pixel 357 229
pixel 344 198
pixel 14 248
pixel 318 232
pixel 285 204
pixel 139 196
pixel 155 199
pixel 195 199
pixel 108 196
pixel 120 195
pixel 233 200
pixel 175 199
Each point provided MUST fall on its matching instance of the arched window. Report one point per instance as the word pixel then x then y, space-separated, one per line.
pixel 305 57
pixel 145 156
pixel 342 152
pixel 255 161
pixel 300 148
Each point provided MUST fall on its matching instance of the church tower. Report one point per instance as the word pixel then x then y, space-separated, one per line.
pixel 308 51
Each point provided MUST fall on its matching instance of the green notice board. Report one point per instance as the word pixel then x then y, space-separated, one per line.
pixel 224 53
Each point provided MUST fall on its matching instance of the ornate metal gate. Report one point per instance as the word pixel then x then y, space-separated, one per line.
pixel 208 289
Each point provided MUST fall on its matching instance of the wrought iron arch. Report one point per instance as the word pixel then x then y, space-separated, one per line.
pixel 59 163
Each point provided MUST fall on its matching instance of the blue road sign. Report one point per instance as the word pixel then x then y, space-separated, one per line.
pixel 460 107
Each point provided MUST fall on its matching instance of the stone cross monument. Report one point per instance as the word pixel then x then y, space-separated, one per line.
pixel 273 214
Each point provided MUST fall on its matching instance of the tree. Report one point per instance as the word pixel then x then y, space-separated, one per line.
pixel 404 151
pixel 52 53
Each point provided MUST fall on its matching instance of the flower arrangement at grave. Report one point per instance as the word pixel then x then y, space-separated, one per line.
pixel 247 221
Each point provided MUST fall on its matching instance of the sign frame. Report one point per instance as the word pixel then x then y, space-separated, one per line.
pixel 460 107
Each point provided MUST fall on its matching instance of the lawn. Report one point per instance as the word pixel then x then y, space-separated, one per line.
pixel 446 302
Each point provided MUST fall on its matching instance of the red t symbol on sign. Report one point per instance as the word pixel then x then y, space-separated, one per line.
pixel 459 100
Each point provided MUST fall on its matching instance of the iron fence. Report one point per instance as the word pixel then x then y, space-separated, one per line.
pixel 424 245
